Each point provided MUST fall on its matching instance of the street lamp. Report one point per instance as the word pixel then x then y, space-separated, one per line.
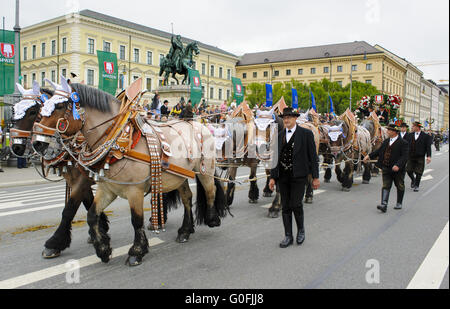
pixel 351 72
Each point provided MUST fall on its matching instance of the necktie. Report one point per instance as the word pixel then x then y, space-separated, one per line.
pixel 289 131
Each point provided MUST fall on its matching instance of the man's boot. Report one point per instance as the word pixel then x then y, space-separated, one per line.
pixel 417 183
pixel 400 195
pixel 384 200
pixel 289 239
pixel 300 227
pixel 413 180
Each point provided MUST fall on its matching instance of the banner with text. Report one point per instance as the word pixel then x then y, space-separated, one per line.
pixel 108 69
pixel 8 52
pixel 238 90
pixel 196 87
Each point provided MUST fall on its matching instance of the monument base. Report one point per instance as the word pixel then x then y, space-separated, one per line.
pixel 174 93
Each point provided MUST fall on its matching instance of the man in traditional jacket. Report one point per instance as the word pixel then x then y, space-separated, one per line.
pixel 297 158
pixel 392 157
pixel 419 147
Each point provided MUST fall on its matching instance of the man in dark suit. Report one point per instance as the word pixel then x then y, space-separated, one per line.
pixel 383 115
pixel 404 130
pixel 165 109
pixel 419 147
pixel 297 158
pixel 392 157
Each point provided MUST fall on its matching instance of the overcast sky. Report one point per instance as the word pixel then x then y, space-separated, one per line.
pixel 417 30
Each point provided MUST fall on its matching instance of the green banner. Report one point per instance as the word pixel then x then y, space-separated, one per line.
pixel 196 87
pixel 108 76
pixel 8 51
pixel 238 90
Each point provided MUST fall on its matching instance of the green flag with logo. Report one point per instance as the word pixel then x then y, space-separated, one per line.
pixel 8 52
pixel 238 90
pixel 196 87
pixel 108 69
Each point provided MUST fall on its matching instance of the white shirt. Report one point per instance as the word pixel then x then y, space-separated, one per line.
pixel 289 135
pixel 393 140
pixel 403 134
pixel 417 135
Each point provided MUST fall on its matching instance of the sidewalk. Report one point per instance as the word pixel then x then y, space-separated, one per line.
pixel 14 177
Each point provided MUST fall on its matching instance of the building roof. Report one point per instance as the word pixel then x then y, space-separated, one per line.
pixel 307 53
pixel 156 32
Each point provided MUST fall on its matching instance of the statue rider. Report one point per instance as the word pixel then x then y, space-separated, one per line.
pixel 176 52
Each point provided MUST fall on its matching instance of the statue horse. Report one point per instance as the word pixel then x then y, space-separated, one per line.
pixel 169 67
pixel 86 109
pixel 78 187
pixel 349 143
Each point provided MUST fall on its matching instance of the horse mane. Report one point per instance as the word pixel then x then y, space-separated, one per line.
pixel 48 92
pixel 94 98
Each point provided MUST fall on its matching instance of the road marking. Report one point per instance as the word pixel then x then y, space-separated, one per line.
pixel 428 171
pixel 50 272
pixel 426 178
pixel 23 195
pixel 438 154
pixel 17 212
pixel 317 192
pixel 432 271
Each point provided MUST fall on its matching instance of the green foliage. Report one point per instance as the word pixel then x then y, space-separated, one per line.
pixel 256 94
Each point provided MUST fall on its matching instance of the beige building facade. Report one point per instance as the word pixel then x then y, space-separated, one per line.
pixel 69 44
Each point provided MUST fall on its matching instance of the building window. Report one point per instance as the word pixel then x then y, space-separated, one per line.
pixel 90 77
pixel 149 84
pixel 64 72
pixel 212 71
pixel 149 58
pixel 203 91
pixel 25 81
pixel 276 73
pixel 91 46
pixel 136 55
pixel 43 79
pixel 64 45
pixel 313 70
pixel 339 68
pixel 220 72
pixel 354 67
pixel 203 69
pixel 229 74
pixel 266 74
pixel 25 53
pixel 106 47
pixel 211 93
pixel 121 80
pixel 54 76
pixel 369 81
pixel 53 47
pixel 43 50
pixel 228 94
pixel 369 67
pixel 135 78
pixel 339 83
pixel 220 94
pixel 288 72
pixel 244 75
pixel 122 52
pixel 300 71
pixel 326 70
pixel 255 74
pixel 33 77
pixel 161 57
pixel 33 53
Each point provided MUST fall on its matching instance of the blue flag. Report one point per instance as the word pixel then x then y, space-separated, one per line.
pixel 331 105
pixel 313 101
pixel 269 95
pixel 294 99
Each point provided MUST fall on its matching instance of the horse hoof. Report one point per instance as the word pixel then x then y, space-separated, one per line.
pixel 366 182
pixel 273 214
pixel 253 201
pixel 345 189
pixel 90 241
pixel 182 239
pixel 50 253
pixel 267 194
pixel 327 181
pixel 309 200
pixel 134 261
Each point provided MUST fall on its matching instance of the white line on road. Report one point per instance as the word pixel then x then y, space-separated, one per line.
pixel 428 171
pixel 22 204
pixel 438 154
pixel 23 195
pixel 18 212
pixel 432 271
pixel 426 178
pixel 317 192
pixel 50 272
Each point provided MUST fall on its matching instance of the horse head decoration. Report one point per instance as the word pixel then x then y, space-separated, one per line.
pixel 25 114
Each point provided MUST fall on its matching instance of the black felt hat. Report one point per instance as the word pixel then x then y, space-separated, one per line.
pixel 289 112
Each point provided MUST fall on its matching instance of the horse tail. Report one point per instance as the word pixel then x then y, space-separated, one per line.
pixel 171 200
pixel 220 202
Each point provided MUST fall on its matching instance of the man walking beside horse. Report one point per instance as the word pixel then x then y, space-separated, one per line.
pixel 297 158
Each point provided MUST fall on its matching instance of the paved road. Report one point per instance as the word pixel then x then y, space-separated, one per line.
pixel 348 241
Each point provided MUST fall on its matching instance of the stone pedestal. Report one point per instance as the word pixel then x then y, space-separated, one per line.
pixel 174 93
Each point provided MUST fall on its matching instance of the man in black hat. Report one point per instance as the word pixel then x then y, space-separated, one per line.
pixel 404 130
pixel 392 157
pixel 419 147
pixel 297 158
pixel 383 115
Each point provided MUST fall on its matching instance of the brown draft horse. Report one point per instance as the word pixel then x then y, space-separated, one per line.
pixel 131 179
pixel 26 113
